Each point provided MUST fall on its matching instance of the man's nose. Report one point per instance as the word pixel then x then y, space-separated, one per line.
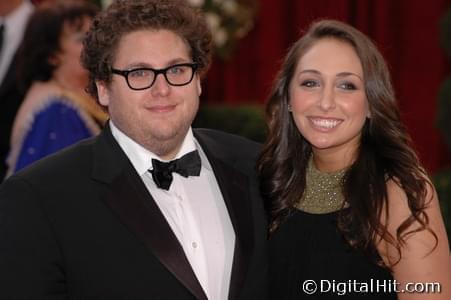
pixel 160 87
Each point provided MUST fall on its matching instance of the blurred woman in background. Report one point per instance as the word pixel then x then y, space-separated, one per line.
pixel 57 111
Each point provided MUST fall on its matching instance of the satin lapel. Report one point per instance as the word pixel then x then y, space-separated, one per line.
pixel 135 207
pixel 234 187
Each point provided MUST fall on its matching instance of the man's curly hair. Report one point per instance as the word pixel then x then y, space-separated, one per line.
pixel 125 16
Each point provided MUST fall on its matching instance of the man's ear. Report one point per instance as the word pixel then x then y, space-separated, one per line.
pixel 103 93
pixel 199 86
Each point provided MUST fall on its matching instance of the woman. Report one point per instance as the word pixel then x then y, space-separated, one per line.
pixel 353 214
pixel 56 111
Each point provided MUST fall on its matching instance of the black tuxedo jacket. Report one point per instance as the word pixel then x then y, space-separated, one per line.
pixel 81 225
pixel 10 99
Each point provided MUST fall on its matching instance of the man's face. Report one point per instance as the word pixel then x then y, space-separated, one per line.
pixel 159 117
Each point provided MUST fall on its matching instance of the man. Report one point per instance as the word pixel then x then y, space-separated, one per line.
pixel 14 15
pixel 150 209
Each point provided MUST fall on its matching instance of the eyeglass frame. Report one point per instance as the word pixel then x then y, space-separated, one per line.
pixel 124 73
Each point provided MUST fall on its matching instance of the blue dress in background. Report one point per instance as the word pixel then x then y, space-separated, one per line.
pixel 54 128
pixel 49 120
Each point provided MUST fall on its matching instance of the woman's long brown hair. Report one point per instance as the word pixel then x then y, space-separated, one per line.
pixel 385 151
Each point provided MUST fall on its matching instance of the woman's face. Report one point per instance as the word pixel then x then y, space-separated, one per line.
pixel 67 58
pixel 328 101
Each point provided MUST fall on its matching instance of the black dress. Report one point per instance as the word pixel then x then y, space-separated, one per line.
pixel 310 260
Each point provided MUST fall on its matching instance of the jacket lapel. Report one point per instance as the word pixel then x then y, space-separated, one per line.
pixel 10 77
pixel 234 188
pixel 130 200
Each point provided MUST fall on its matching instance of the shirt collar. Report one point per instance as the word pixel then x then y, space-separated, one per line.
pixel 17 19
pixel 141 158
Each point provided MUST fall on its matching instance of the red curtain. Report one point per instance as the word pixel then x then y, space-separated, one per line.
pixel 407 33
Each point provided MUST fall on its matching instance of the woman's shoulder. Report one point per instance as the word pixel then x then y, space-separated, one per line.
pixel 412 211
pixel 399 204
pixel 423 254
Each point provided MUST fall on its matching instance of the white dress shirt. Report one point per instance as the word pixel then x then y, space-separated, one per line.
pixel 15 24
pixel 196 212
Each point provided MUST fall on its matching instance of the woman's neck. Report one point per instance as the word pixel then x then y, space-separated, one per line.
pixel 73 85
pixel 332 161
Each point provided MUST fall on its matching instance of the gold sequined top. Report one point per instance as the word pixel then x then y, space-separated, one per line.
pixel 323 191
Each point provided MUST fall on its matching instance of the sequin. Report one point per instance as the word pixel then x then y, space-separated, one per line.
pixel 323 192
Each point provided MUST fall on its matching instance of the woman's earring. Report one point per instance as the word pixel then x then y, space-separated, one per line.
pixel 289 107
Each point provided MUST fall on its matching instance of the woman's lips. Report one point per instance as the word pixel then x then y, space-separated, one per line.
pixel 324 124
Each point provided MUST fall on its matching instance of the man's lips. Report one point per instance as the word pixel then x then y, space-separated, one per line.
pixel 162 108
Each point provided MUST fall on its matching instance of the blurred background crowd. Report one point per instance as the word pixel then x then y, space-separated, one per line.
pixel 44 107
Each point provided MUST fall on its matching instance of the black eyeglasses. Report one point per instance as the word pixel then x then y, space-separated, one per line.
pixel 143 78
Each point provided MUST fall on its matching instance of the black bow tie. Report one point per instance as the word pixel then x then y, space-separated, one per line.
pixel 187 165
